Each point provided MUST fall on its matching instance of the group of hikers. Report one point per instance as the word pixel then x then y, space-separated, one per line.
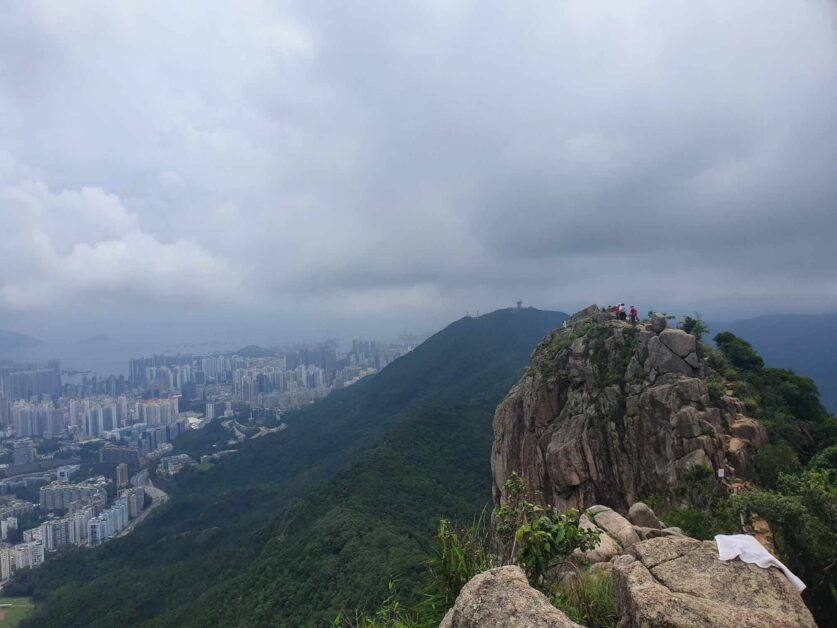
pixel 623 315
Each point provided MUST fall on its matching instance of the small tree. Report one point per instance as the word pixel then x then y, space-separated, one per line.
pixel 536 537
pixel 546 540
pixel 694 326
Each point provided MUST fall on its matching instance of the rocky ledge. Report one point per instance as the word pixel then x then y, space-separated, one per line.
pixel 681 583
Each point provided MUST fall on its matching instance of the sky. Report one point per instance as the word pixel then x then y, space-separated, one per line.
pixel 278 170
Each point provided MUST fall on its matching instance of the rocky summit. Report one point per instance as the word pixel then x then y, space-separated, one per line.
pixel 609 413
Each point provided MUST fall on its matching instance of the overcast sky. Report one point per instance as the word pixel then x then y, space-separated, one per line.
pixel 310 167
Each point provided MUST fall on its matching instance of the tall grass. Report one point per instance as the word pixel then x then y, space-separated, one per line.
pixel 459 554
pixel 587 598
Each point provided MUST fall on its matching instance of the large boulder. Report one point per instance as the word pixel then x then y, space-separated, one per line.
pixel 501 598
pixel 641 515
pixel 679 342
pixel 740 457
pixel 662 359
pixel 750 430
pixel 658 323
pixel 605 549
pixel 679 582
pixel 614 524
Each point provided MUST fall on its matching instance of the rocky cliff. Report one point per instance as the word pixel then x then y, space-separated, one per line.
pixel 609 413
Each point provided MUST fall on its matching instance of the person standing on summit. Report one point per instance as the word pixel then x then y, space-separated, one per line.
pixel 634 315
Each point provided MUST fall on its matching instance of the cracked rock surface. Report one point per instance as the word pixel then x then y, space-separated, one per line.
pixel 609 413
pixel 679 582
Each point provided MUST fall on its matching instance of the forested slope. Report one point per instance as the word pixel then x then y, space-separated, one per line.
pixel 227 551
pixel 337 548
pixel 803 343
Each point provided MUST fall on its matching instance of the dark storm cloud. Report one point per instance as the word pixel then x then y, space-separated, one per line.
pixel 413 160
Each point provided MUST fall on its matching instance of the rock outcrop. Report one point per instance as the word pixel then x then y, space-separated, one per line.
pixel 609 413
pixel 679 582
pixel 501 598
pixel 617 533
pixel 667 580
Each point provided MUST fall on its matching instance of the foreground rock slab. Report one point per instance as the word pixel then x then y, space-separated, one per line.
pixel 503 598
pixel 679 582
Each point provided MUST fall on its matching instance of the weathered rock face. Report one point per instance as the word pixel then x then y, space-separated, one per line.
pixel 680 583
pixel 502 598
pixel 609 413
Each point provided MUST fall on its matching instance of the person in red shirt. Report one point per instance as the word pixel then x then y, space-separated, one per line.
pixel 634 315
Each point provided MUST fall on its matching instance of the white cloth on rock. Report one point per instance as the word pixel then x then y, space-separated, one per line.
pixel 749 550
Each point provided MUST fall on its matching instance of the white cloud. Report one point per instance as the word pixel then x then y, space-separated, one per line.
pixel 306 158
pixel 62 249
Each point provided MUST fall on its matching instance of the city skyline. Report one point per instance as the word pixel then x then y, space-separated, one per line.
pixel 58 427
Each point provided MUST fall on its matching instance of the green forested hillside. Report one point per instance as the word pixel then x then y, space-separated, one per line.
pixel 337 548
pixel 803 343
pixel 301 523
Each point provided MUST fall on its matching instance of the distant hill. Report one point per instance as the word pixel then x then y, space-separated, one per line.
pixel 300 524
pixel 12 341
pixel 255 351
pixel 804 343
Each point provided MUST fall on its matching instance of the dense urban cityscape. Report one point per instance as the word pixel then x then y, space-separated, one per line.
pixel 78 451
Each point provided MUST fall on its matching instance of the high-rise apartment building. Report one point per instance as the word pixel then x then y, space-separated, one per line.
pixel 24 452
pixel 121 475
pixel 29 554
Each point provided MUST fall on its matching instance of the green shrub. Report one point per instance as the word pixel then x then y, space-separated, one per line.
pixel 390 614
pixel 802 513
pixel 699 505
pixel 587 598
pixel 773 459
pixel 699 488
pixel 717 361
pixel 513 513
pixel 547 539
pixel 739 352
pixel 702 524
pixel 751 405
pixel 694 326
pixel 716 390
pixel 459 554
pixel 538 538
pixel 826 459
